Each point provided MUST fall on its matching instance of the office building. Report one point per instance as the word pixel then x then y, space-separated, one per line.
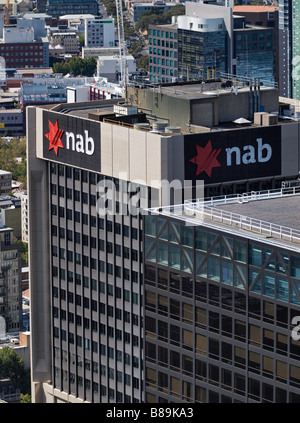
pixel 20 48
pixel 65 42
pixel 222 301
pixel 210 41
pixel 99 32
pixel 289 14
pixel 163 53
pixel 86 260
pixel 5 182
pixel 109 67
pixel 255 52
pixel 56 8
pixel 200 43
pixel 266 16
pixel 10 280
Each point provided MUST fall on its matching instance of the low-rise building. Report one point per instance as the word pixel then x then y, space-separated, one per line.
pixel 99 32
pixel 5 182
pixel 109 66
pixel 69 41
pixel 20 48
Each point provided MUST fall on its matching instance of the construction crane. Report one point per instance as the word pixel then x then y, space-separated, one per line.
pixel 122 46
pixel 7 12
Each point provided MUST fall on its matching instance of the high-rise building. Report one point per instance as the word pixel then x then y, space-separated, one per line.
pixel 255 51
pixel 289 49
pixel 210 40
pixel 10 280
pixel 91 167
pixel 222 300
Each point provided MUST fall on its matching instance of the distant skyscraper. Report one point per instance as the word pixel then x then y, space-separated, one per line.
pixel 289 49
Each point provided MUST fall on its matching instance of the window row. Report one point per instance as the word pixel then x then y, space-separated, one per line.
pixel 88 344
pixel 236 356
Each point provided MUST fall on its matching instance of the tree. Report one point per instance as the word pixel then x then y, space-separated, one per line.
pixel 9 151
pixel 155 17
pixel 24 252
pixel 143 63
pixel 77 66
pixel 12 366
pixel 25 398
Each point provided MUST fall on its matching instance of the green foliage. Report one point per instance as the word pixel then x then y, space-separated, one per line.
pixel 81 40
pixel 24 252
pixel 25 398
pixel 76 66
pixel 8 153
pixel 135 48
pixel 143 63
pixel 110 7
pixel 155 17
pixel 12 366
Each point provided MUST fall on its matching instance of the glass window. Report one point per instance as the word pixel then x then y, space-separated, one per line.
pixel 240 250
pixel 175 256
pixel 255 255
pixel 150 227
pixel 187 365
pixel 295 267
pixel 175 387
pixel 268 366
pixel 269 285
pixel 187 313
pixel 174 360
pixel 254 362
pixel 282 289
pixel 239 357
pixel 226 272
pixel 254 335
pixel 187 260
pixel 187 237
pixel 201 344
pixel 187 339
pixel 201 318
pixel 162 253
pixel 200 240
pixel 281 371
pixel 214 268
pixel 200 370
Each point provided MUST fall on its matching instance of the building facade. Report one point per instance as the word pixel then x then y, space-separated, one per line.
pixel 99 33
pixel 289 14
pixel 10 281
pixel 163 53
pixel 91 333
pixel 86 249
pixel 56 8
pixel 219 307
pixel 255 53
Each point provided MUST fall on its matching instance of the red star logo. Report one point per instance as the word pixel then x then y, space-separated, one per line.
pixel 54 136
pixel 206 159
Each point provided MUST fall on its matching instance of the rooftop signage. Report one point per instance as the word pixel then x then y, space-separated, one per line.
pixel 224 156
pixel 71 140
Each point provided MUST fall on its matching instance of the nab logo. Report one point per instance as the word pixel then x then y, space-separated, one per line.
pixel 206 158
pixel 54 136
pixel 75 142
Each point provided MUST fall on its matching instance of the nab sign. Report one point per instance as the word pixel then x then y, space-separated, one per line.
pixel 217 157
pixel 72 141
